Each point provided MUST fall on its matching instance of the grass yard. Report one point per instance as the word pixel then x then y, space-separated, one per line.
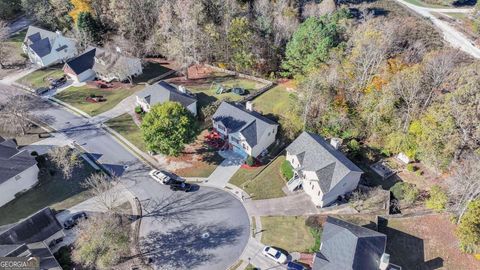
pixel 278 101
pixel 52 190
pixel 266 185
pixel 426 242
pixel 288 233
pixel 125 125
pixel 39 78
pixel 151 70
pixel 205 88
pixel 76 96
pixel 14 57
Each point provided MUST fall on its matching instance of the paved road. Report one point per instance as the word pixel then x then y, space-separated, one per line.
pixel 205 229
pixel 450 34
pixel 19 24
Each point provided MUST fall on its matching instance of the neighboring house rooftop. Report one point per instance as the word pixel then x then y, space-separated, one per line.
pixel 83 62
pixel 348 246
pixel 12 160
pixel 162 92
pixel 40 40
pixel 34 228
pixel 317 155
pixel 111 62
pixel 237 118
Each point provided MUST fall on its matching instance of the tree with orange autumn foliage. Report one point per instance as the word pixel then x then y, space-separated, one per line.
pixel 79 7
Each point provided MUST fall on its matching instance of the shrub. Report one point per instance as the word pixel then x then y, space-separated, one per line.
pixel 405 191
pixel 468 230
pixel 286 169
pixel 63 257
pixel 397 190
pixel 437 200
pixel 93 95
pixel 138 110
pixel 34 153
pixel 410 167
pixel 250 161
pixel 353 147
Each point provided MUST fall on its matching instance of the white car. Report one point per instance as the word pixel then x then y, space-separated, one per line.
pixel 275 254
pixel 162 177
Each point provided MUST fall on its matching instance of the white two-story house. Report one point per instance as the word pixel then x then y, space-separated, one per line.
pixel 161 92
pixel 45 47
pixel 324 172
pixel 246 131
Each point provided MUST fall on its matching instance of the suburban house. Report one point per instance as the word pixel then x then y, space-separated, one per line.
pixel 323 171
pixel 80 68
pixel 246 131
pixel 110 66
pixel 102 64
pixel 31 237
pixel 350 247
pixel 44 47
pixel 18 170
pixel 161 92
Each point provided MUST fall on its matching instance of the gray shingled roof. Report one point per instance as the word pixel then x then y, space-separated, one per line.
pixel 317 155
pixel 83 62
pixel 34 228
pixel 347 246
pixel 250 124
pixel 12 160
pixel 162 91
pixel 40 40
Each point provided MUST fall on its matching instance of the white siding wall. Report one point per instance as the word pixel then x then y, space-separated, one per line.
pixel 87 75
pixel 348 184
pixel 267 139
pixel 193 108
pixel 9 188
pixel 141 102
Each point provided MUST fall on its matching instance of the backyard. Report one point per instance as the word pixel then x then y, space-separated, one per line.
pixel 77 97
pixel 13 54
pixel 288 233
pixel 263 182
pixel 52 190
pixel 125 125
pixel 279 101
pixel 151 70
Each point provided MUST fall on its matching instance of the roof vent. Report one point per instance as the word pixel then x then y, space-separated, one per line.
pixel 384 261
pixel 58 33
pixel 336 142
pixel 249 106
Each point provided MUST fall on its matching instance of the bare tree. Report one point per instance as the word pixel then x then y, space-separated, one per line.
pixel 464 184
pixel 15 115
pixel 66 159
pixel 4 31
pixel 102 187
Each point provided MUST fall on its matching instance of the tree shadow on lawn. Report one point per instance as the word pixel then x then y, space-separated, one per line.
pixel 179 206
pixel 406 250
pixel 190 246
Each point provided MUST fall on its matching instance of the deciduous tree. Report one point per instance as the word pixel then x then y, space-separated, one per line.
pixel 66 159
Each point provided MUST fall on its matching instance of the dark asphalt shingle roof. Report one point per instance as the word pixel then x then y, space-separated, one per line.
pixel 40 40
pixel 250 124
pixel 348 246
pixel 13 161
pixel 41 47
pixel 34 228
pixel 162 92
pixel 83 62
pixel 317 155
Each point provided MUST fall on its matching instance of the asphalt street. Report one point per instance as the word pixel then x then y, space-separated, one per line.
pixel 204 229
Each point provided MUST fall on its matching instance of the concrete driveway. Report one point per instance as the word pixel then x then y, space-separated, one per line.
pixel 222 174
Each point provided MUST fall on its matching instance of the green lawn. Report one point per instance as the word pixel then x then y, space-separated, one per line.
pixel 76 96
pixel 124 125
pixel 39 78
pixel 288 233
pixel 266 185
pixel 52 190
pixel 150 71
pixel 206 88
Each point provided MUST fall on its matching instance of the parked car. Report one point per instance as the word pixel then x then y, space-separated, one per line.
pixel 164 177
pixel 41 90
pixel 58 82
pixel 54 242
pixel 73 220
pixel 295 266
pixel 239 91
pixel 274 254
pixel 181 186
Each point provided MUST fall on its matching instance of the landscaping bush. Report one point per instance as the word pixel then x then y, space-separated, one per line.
pixel 405 191
pixel 286 170
pixel 410 167
pixel 63 257
pixel 138 110
pixel 353 147
pixel 437 200
pixel 250 161
pixel 397 190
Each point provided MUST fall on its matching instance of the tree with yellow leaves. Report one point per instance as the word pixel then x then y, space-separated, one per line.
pixel 79 7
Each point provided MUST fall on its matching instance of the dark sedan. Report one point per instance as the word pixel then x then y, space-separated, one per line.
pixel 73 220
pixel 181 186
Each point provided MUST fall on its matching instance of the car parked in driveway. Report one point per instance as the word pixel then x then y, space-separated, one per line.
pixel 58 82
pixel 182 186
pixel 295 266
pixel 275 254
pixel 164 177
pixel 73 220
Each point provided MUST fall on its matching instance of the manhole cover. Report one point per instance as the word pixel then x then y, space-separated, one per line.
pixel 205 235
